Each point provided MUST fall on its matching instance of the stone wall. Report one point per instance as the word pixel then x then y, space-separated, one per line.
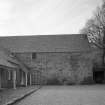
pixel 64 68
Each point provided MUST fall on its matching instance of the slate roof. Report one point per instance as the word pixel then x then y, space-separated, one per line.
pixel 8 60
pixel 4 62
pixel 5 58
pixel 46 43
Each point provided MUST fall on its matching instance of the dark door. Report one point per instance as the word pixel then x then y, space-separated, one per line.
pixel 98 76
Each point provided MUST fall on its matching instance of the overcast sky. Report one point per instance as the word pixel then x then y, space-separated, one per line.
pixel 28 17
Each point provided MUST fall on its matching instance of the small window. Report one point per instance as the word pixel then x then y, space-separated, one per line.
pixel 33 55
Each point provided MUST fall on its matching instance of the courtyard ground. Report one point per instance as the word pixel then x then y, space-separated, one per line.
pixel 67 95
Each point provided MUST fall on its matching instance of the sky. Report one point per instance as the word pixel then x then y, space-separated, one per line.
pixel 44 17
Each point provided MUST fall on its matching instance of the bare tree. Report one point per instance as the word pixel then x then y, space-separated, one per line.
pixel 95 27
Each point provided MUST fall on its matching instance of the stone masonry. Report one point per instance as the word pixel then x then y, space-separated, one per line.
pixel 68 68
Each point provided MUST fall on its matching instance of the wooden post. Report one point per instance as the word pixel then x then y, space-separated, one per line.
pixel 26 79
pixel 14 79
pixel 30 80
pixel 22 78
pixel 0 78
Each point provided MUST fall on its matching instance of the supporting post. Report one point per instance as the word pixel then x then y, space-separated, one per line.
pixel 14 79
pixel 22 78
pixel 26 79
pixel 0 78
pixel 30 80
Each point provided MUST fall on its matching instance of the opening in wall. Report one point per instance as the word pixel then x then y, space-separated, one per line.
pixel 98 75
pixel 33 55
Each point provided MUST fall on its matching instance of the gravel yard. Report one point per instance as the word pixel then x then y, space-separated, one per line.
pixel 67 95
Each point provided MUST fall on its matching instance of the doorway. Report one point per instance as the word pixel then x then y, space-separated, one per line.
pixel 98 76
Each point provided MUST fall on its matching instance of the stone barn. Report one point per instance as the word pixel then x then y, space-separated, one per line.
pixel 54 59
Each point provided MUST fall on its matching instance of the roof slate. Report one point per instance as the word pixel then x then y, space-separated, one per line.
pixel 5 58
pixel 8 60
pixel 46 43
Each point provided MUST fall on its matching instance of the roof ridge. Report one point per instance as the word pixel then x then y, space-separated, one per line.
pixel 42 35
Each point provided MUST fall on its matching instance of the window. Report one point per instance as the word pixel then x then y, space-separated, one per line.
pixel 33 55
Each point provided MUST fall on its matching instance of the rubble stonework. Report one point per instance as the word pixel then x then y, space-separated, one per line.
pixel 67 68
pixel 55 59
